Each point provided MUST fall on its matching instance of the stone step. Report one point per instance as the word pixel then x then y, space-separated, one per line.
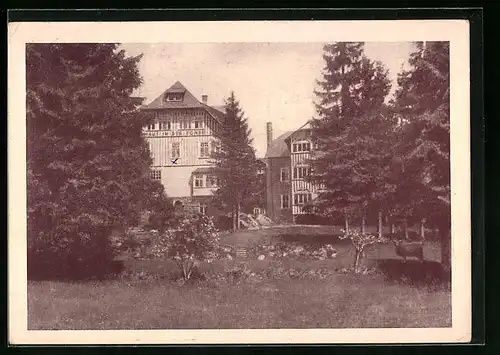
pixel 241 253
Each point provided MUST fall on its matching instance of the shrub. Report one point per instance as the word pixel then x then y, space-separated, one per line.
pixel 360 241
pixel 238 273
pixel 316 219
pixel 224 223
pixel 296 251
pixel 195 239
pixel 85 255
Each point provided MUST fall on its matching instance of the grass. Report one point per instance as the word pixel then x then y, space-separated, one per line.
pixel 344 301
pixel 339 301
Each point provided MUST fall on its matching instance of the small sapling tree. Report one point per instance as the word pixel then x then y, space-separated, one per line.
pixel 195 239
pixel 360 241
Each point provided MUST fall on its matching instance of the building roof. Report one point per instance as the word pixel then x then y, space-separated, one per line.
pixel 305 126
pixel 177 88
pixel 218 115
pixel 188 101
pixel 278 147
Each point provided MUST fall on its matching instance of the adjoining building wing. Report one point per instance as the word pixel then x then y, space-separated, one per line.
pixel 278 147
pixel 287 159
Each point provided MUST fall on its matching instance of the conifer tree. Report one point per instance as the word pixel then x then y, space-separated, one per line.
pixel 235 161
pixel 423 103
pixel 352 132
pixel 88 165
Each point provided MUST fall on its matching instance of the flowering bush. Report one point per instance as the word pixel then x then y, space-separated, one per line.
pixel 195 239
pixel 296 251
pixel 360 242
pixel 134 242
pixel 238 273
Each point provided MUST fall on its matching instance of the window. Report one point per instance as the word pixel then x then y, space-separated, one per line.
pixel 203 208
pixel 301 172
pixel 204 153
pixel 285 201
pixel 284 176
pixel 214 147
pixel 300 199
pixel 151 126
pixel 185 124
pixel 165 125
pixel 198 124
pixel 155 174
pixel 301 147
pixel 198 181
pixel 173 97
pixel 176 150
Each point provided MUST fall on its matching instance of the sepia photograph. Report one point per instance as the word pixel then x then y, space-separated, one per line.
pixel 243 186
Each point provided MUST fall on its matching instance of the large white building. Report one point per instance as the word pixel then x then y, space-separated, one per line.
pixel 180 140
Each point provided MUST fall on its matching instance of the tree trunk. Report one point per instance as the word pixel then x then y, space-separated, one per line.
pixel 363 225
pixel 380 224
pixel 184 276
pixel 233 215
pixel 356 261
pixel 346 224
pixel 238 207
pixel 445 235
pixel 422 229
pixel 406 228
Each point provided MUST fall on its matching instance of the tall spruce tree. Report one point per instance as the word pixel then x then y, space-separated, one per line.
pixel 235 161
pixel 88 166
pixel 422 101
pixel 352 132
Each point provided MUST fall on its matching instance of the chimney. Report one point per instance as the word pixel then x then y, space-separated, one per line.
pixel 204 99
pixel 269 133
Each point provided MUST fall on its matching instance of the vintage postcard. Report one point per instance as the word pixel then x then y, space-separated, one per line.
pixel 239 182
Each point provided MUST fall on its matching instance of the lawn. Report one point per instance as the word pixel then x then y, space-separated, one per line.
pixel 340 300
pixel 344 301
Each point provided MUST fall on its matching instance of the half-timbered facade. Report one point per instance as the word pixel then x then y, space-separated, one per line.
pixel 287 160
pixel 180 140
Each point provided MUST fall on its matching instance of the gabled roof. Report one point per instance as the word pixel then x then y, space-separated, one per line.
pixel 176 88
pixel 218 115
pixel 278 147
pixel 188 101
pixel 305 126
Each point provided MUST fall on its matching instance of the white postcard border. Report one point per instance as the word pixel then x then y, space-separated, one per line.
pixel 455 31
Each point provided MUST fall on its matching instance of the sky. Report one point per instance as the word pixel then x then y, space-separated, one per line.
pixel 274 82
